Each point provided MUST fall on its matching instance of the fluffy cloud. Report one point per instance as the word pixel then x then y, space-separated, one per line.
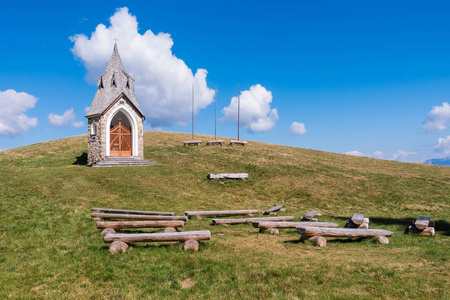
pixel 438 118
pixel 67 118
pixel 163 82
pixel 297 128
pixel 255 112
pixel 13 121
pixel 399 155
pixel 443 145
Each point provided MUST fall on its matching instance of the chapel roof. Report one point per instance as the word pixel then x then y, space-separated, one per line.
pixel 114 81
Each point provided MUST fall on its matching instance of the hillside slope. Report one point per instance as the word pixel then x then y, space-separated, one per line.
pixel 50 244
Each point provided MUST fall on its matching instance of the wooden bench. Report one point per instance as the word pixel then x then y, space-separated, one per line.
pixel 170 226
pixel 190 239
pixel 228 176
pixel 273 210
pixel 217 213
pixel 423 226
pixel 137 217
pixel 215 142
pixel 234 142
pixel 269 226
pixel 192 143
pixel 135 212
pixel 310 216
pixel 358 221
pixel 249 220
pixel 319 233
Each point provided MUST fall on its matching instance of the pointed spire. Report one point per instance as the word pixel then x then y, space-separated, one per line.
pixel 115 46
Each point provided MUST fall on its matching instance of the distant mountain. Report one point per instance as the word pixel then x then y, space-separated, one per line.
pixel 439 161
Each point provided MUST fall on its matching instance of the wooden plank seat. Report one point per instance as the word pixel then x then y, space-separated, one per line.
pixel 215 142
pixel 228 176
pixel 308 232
pixel 193 143
pixel 273 210
pixel 135 212
pixel 217 213
pixel 423 226
pixel 137 217
pixel 249 220
pixel 235 142
pixel 190 238
pixel 138 224
pixel 272 227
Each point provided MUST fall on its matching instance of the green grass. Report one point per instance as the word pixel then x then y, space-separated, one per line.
pixel 50 248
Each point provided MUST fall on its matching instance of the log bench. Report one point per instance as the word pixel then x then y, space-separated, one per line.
pixel 193 143
pixel 358 221
pixel 272 211
pixel 310 216
pixel 217 213
pixel 249 220
pixel 135 212
pixel 270 226
pixel 137 217
pixel 228 176
pixel 190 239
pixel 234 142
pixel 423 226
pixel 170 226
pixel 215 142
pixel 308 232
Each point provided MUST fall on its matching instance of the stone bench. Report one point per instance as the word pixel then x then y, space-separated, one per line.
pixel 234 142
pixel 215 142
pixel 358 221
pixel 192 143
pixel 273 210
pixel 310 216
pixel 317 234
pixel 190 239
pixel 228 176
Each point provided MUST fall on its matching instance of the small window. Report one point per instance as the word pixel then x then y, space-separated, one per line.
pixel 93 129
pixel 121 102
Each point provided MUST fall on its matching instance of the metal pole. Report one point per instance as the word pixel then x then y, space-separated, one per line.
pixel 192 111
pixel 215 116
pixel 239 105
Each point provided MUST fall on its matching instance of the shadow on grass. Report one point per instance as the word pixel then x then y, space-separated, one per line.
pixel 81 160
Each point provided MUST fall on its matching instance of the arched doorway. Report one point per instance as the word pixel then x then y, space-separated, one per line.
pixel 120 136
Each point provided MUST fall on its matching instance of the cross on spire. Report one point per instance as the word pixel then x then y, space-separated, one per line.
pixel 115 39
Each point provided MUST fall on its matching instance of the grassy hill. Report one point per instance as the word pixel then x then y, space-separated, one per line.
pixel 50 247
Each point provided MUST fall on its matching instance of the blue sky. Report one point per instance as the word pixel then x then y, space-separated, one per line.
pixel 363 77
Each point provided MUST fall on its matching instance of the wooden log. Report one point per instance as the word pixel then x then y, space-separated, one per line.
pixel 137 217
pixel 215 142
pixel 342 232
pixel 192 143
pixel 158 237
pixel 358 219
pixel 249 220
pixel 234 142
pixel 228 176
pixel 264 224
pixel 311 215
pixel 273 209
pixel 134 212
pixel 139 224
pixel 213 213
pixel 422 222
pixel 318 241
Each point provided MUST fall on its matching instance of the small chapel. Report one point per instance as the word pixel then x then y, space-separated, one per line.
pixel 115 120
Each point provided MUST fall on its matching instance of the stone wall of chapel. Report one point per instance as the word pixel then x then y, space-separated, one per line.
pixel 95 149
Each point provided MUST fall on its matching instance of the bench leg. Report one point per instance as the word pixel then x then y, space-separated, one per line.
pixel 383 240
pixel 170 229
pixel 107 231
pixel 318 241
pixel 118 247
pixel 273 231
pixel 190 245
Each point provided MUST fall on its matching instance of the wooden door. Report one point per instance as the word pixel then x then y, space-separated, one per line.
pixel 120 141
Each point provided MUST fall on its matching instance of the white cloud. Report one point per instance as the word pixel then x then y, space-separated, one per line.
pixel 439 118
pixel 443 145
pixel 255 112
pixel 297 128
pixel 399 155
pixel 163 82
pixel 67 118
pixel 13 121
